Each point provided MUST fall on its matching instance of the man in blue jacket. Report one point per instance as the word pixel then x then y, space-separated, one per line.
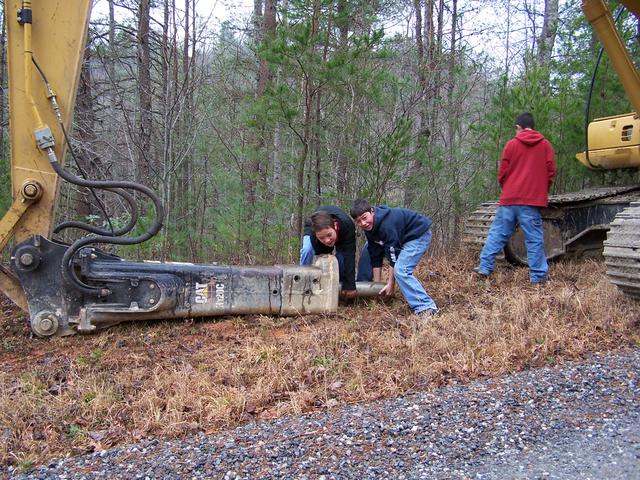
pixel 403 236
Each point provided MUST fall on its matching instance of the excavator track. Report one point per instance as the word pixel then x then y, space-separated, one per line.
pixel 478 224
pixel 622 251
pixel 575 224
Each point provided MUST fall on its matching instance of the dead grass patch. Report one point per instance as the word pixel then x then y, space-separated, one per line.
pixel 168 379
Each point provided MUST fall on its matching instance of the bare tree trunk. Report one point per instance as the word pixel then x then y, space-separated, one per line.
pixel 547 38
pixel 265 76
pixel 264 25
pixel 300 177
pixel 278 180
pixel 432 46
pixel 268 30
pixel 438 54
pixel 85 121
pixel 429 50
pixel 266 134
pixel 112 42
pixel 316 151
pixel 111 68
pixel 261 82
pixel 183 174
pixel 414 166
pixel 309 94
pixel 276 161
pixel 316 130
pixel 3 79
pixel 453 123
pixel 342 164
pixel 173 93
pixel 144 93
pixel 165 169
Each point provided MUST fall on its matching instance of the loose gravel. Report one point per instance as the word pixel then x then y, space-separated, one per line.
pixel 579 420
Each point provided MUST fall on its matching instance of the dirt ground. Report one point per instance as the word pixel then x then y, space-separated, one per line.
pixel 64 396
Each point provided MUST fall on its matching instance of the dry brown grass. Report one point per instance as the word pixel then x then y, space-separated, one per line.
pixel 167 379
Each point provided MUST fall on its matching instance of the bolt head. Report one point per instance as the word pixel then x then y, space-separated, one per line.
pixel 31 190
pixel 26 259
pixel 46 324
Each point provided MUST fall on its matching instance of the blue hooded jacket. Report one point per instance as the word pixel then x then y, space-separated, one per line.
pixel 392 228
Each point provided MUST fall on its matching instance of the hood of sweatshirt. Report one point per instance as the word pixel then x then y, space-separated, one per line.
pixel 378 215
pixel 529 137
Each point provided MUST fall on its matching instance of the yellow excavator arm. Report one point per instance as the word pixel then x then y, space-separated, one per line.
pixel 53 34
pixel 600 18
pixel 614 142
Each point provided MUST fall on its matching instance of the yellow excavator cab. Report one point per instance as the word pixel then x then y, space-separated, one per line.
pixel 614 142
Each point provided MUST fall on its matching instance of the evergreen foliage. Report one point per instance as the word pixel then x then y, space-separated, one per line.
pixel 351 104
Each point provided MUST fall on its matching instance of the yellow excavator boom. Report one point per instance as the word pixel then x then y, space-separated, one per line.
pixel 58 39
pixel 614 142
pixel 600 18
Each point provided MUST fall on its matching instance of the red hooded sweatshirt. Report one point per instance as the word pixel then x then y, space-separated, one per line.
pixel 526 170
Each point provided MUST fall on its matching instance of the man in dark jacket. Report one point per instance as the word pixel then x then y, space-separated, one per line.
pixel 328 228
pixel 526 172
pixel 403 236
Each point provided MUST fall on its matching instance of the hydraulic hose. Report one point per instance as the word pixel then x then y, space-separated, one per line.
pixel 68 273
pixel 133 210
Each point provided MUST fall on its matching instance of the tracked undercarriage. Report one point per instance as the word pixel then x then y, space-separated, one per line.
pixel 622 251
pixel 575 226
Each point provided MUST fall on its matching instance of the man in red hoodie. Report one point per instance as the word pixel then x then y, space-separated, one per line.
pixel 525 175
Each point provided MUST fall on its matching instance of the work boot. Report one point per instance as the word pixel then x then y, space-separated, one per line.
pixel 425 316
pixel 541 281
pixel 481 273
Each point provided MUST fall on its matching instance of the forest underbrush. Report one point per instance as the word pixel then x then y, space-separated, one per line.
pixel 68 396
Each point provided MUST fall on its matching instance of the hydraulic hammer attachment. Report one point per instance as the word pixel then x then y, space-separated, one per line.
pixel 152 290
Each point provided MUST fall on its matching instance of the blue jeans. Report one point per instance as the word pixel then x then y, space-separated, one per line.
pixel 502 228
pixel 306 251
pixel 365 270
pixel 412 290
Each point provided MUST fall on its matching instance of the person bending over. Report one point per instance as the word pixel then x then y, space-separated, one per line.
pixel 327 229
pixel 403 237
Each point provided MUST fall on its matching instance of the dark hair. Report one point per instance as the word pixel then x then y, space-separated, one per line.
pixel 525 120
pixel 321 220
pixel 359 206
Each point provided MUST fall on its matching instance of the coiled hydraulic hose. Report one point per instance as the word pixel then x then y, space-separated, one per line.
pixel 133 210
pixel 68 272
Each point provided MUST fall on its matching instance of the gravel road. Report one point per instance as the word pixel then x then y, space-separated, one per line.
pixel 579 420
